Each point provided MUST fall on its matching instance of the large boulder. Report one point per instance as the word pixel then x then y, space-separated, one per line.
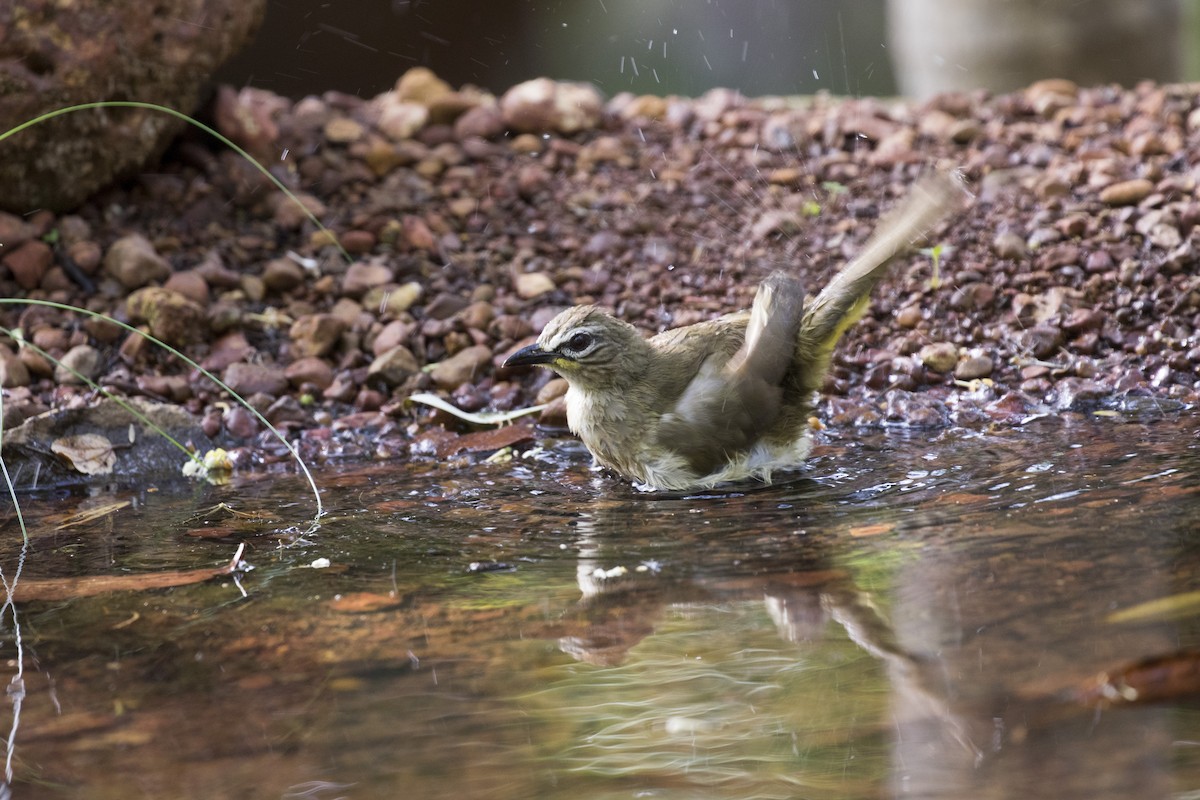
pixel 55 54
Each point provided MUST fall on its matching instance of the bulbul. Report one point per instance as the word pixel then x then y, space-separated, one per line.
pixel 728 399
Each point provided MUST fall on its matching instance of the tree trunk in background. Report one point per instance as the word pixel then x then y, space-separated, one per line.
pixel 947 45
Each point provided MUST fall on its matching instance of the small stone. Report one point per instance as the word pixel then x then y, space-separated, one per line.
pixel 533 284
pixel 87 255
pixel 421 85
pixel 281 275
pixel 190 284
pixel 13 371
pixel 461 367
pixel 400 121
pixel 133 262
pixel 343 130
pixel 361 276
pixel 29 263
pixel 417 233
pixel 554 389
pixel 394 333
pixel 1126 193
pixel 170 316
pixel 939 357
pixel 309 369
pixel 1041 341
pixel 392 301
pixel 445 306
pixel 394 366
pixel 542 105
pixel 82 359
pixel 909 316
pixel 478 315
pixel 974 367
pixel 247 379
pixel 484 122
pixel 358 242
pixel 1008 245
pixel 315 334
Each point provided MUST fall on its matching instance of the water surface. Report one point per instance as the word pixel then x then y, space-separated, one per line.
pixel 912 615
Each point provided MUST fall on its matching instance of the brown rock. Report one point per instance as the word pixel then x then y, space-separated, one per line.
pixel 533 284
pixel 358 242
pixel 554 389
pixel 361 276
pixel 282 275
pixel 171 317
pixel 974 367
pixel 421 85
pixel 190 284
pixel 461 367
pixel 81 361
pixel 13 372
pixel 315 334
pixel 14 230
pixel 134 263
pixel 1126 193
pixel 100 49
pixel 484 122
pixel 542 105
pixel 309 370
pixel 939 356
pixel 247 379
pixel 394 366
pixel 29 263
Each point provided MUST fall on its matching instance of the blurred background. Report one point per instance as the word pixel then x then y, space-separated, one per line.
pixel 760 47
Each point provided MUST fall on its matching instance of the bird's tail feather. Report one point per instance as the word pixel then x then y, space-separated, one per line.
pixel 846 297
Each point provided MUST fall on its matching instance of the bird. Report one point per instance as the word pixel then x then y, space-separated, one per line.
pixel 727 400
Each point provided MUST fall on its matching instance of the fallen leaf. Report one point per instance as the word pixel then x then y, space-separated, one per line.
pixel 89 453
pixel 70 588
pixel 480 418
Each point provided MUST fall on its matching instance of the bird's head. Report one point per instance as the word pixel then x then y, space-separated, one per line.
pixel 587 346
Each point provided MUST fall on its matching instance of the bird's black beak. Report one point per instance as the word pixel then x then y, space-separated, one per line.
pixel 530 356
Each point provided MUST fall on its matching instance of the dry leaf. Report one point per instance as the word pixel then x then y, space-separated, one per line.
pixel 89 453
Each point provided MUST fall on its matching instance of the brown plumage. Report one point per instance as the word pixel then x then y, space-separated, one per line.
pixel 727 399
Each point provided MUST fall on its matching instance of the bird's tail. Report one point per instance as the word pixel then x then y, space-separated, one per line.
pixel 844 300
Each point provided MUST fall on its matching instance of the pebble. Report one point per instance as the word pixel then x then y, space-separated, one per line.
pixel 533 284
pixel 939 356
pixel 974 367
pixel 248 379
pixel 361 276
pixel 542 106
pixel 461 367
pixel 170 316
pixel 394 365
pixel 315 334
pixel 1126 193
pixel 134 263
pixel 281 275
pixel 80 362
pixel 309 369
pixel 29 262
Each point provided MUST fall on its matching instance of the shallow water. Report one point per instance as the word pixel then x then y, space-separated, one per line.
pixel 912 615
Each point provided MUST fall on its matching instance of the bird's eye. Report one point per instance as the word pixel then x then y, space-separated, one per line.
pixel 579 342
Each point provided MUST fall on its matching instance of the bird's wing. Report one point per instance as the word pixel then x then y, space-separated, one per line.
pixel 730 402
pixel 844 300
